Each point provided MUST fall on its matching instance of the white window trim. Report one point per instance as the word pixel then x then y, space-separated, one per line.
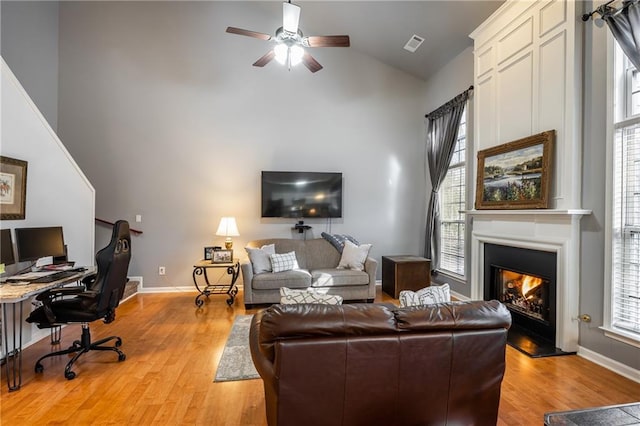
pixel 467 233
pixel 625 336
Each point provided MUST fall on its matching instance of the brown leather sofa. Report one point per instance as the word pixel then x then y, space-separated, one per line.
pixel 377 364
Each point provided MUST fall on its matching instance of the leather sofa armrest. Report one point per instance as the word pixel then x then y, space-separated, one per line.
pixel 263 365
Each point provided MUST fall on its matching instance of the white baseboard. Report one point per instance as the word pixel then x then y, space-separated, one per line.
pixel 459 296
pixel 610 364
pixel 139 279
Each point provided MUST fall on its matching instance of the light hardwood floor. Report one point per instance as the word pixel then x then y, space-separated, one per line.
pixel 172 353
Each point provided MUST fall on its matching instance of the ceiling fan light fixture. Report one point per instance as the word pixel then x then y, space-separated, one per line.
pixel 281 50
pixel 295 54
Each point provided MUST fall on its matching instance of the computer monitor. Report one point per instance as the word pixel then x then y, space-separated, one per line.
pixel 6 247
pixel 34 243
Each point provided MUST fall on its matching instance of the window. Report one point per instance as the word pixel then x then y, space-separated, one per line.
pixel 452 202
pixel 623 317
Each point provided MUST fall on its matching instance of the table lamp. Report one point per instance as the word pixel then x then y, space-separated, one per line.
pixel 228 228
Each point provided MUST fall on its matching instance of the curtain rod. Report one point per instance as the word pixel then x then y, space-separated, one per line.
pixel 466 91
pixel 604 9
pixel 588 16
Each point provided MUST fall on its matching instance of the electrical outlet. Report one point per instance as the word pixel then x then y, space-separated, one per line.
pixel 161 270
pixel 138 218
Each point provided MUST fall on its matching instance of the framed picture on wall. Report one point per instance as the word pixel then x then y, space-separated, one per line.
pixel 516 175
pixel 222 256
pixel 13 188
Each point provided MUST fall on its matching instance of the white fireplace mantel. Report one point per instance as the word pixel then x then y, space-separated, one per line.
pixel 549 230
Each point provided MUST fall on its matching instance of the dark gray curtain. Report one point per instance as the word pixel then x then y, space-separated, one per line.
pixel 624 24
pixel 442 132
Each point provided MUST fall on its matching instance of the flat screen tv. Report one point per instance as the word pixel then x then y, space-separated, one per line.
pixel 301 194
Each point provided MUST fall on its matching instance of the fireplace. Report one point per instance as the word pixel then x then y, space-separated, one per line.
pixel 525 281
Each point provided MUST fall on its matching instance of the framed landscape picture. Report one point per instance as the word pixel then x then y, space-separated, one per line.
pixel 516 175
pixel 13 188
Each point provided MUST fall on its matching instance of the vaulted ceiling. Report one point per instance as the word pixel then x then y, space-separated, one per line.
pixel 381 28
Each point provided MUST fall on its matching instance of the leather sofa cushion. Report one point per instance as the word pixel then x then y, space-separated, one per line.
pixel 298 278
pixel 338 277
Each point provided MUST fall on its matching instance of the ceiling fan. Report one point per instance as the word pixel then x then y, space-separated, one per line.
pixel 290 42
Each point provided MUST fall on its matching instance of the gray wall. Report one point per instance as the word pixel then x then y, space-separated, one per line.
pixel 593 196
pixel 164 112
pixel 29 45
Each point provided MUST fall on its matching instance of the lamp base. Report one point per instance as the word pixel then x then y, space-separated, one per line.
pixel 228 244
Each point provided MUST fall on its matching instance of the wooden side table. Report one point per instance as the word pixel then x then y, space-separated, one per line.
pixel 405 273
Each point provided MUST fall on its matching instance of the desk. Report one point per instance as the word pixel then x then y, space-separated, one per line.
pixel 200 268
pixel 14 296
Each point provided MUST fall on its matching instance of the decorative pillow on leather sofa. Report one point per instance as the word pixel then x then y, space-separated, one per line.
pixel 337 240
pixel 259 257
pixel 426 296
pixel 354 256
pixel 284 262
pixel 289 297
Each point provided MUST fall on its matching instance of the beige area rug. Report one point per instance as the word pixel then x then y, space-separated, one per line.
pixel 235 362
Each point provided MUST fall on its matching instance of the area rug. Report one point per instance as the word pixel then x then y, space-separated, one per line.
pixel 235 362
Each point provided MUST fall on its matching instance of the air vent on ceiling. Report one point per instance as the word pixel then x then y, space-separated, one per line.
pixel 414 42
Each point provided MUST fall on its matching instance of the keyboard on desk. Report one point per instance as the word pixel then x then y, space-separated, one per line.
pixel 55 277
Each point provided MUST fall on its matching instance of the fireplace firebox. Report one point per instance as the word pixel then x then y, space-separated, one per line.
pixel 525 281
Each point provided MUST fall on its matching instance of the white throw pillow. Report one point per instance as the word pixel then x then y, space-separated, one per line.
pixel 290 297
pixel 284 262
pixel 259 257
pixel 353 256
pixel 426 296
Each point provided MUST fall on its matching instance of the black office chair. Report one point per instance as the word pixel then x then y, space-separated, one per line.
pixel 96 299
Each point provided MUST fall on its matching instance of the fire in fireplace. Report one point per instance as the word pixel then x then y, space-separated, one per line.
pixel 523 293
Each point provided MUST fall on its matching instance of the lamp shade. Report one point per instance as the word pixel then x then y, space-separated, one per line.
pixel 228 227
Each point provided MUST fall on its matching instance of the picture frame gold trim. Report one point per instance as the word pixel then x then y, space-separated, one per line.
pixel 13 188
pixel 516 175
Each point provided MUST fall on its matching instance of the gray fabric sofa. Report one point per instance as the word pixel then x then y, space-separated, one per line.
pixel 317 260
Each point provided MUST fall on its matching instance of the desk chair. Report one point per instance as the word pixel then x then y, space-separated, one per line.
pixel 96 299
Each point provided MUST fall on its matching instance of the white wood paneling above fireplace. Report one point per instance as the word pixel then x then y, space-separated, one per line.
pixel 527 79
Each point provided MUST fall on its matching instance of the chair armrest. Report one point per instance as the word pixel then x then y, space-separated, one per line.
pixel 47 295
pixel 89 279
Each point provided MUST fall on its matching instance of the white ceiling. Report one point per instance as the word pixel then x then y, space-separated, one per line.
pixel 381 28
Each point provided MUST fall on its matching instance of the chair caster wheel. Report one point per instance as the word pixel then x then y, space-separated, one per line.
pixel 122 357
pixel 70 375
pixel 39 368
pixel 118 342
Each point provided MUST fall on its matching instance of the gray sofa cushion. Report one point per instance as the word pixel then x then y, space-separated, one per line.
pixel 338 277
pixel 320 254
pixel 298 278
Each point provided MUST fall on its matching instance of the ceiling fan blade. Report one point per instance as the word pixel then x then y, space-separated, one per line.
pixel 327 41
pixel 311 63
pixel 290 17
pixel 248 33
pixel 265 59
